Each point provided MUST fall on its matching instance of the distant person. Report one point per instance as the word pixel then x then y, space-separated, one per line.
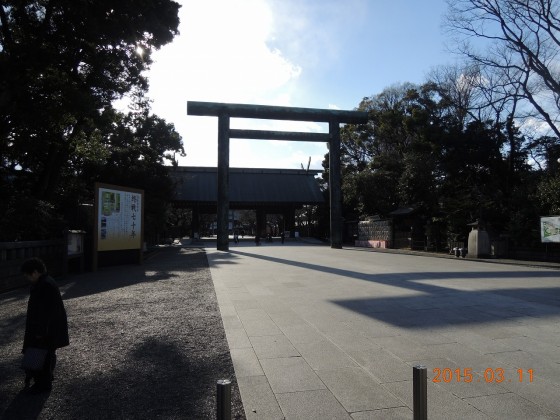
pixel 282 236
pixel 46 325
pixel 236 236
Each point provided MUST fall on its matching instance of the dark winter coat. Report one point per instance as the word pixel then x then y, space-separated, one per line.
pixel 46 325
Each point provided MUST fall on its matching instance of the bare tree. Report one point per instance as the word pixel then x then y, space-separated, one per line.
pixel 459 86
pixel 517 43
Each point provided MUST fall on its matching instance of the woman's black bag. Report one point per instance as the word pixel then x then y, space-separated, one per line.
pixel 34 358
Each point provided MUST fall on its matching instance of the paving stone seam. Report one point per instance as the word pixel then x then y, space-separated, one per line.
pixel 348 355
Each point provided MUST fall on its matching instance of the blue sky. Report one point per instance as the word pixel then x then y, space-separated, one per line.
pixel 302 53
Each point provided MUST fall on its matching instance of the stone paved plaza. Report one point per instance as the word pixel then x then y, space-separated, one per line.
pixel 321 333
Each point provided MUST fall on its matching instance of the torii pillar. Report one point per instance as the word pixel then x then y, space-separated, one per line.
pixel 226 111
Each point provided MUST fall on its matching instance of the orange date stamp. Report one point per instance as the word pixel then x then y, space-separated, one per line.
pixel 491 375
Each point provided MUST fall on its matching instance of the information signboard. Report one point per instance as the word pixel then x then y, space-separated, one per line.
pixel 119 220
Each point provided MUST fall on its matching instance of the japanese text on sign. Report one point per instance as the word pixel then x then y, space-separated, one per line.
pixel 120 220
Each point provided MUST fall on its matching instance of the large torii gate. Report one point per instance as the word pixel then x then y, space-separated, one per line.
pixel 225 111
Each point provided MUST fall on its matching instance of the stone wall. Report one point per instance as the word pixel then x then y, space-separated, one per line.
pixel 374 234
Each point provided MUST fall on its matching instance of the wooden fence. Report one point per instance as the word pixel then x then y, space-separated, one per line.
pixel 13 254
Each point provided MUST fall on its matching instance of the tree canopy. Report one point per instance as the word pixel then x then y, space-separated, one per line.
pixel 418 150
pixel 62 66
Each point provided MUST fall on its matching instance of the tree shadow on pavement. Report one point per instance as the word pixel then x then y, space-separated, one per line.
pixel 157 268
pixel 25 406
pixel 157 379
pixel 459 308
pixel 437 304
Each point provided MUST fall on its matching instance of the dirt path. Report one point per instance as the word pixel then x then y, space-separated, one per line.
pixel 146 343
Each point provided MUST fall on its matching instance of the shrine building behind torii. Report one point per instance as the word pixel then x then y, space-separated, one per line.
pixel 267 191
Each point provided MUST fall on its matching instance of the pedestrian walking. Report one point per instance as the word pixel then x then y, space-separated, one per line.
pixel 46 326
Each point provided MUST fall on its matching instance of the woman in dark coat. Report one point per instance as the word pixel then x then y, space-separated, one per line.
pixel 46 325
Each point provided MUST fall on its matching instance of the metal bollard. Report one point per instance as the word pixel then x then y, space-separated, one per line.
pixel 420 392
pixel 224 399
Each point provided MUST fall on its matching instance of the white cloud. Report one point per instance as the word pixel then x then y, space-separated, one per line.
pixel 223 54
pixel 535 127
pixel 316 32
pixel 252 153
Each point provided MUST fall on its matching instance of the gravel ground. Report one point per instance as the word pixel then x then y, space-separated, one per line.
pixel 146 342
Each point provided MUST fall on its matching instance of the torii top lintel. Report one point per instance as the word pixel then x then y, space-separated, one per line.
pixel 215 109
